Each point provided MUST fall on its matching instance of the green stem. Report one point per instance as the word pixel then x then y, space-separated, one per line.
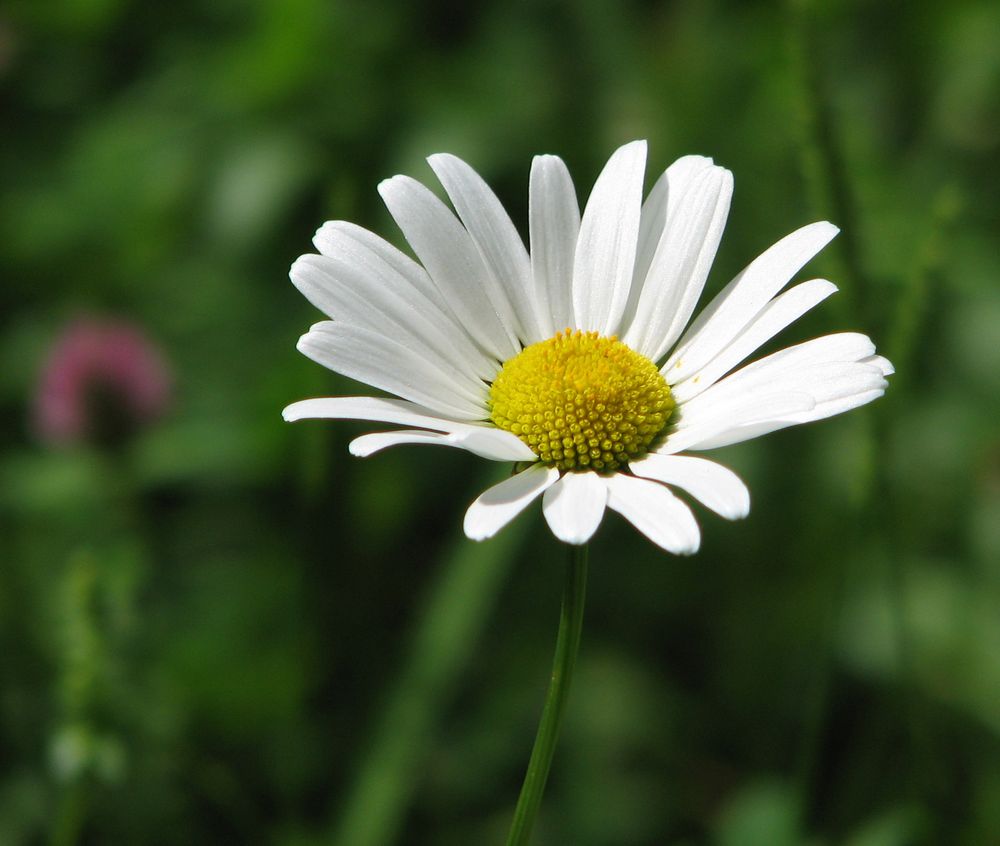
pixel 567 645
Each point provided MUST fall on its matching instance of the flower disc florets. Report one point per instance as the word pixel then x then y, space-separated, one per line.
pixel 582 401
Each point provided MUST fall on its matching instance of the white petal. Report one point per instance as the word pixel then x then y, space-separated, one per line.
pixel 790 366
pixel 822 382
pixel 494 444
pixel 838 346
pixel 715 486
pixel 379 409
pixel 448 253
pixel 367 300
pixel 333 239
pixel 738 434
pixel 554 223
pixel 779 313
pixel 496 238
pixel 609 231
pixel 379 272
pixel 655 512
pixel 745 410
pixel 728 412
pixel 681 263
pixel 497 506
pixel 881 363
pixel 838 405
pixel 385 364
pixel 574 506
pixel 367 445
pixel 480 438
pixel 662 202
pixel 652 221
pixel 743 298
pixel 659 204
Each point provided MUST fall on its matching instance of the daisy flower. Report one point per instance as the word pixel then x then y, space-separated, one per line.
pixel 576 358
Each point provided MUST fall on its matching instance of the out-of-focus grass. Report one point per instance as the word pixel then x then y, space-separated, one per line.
pixel 824 672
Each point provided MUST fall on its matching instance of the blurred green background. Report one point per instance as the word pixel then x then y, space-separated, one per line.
pixel 233 632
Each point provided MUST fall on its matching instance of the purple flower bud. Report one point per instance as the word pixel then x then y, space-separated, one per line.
pixel 103 381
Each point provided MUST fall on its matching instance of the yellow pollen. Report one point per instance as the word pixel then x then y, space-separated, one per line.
pixel 582 401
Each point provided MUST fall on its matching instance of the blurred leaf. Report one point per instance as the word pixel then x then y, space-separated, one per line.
pixel 764 813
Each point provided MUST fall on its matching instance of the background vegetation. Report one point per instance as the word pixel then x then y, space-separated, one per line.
pixel 233 632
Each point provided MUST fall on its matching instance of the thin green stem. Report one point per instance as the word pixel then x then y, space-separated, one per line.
pixel 567 645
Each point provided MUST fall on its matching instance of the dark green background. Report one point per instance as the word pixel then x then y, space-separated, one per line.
pixel 234 632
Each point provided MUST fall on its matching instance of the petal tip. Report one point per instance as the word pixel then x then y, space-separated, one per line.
pixel 302 345
pixel 476 532
pixel 573 538
pixel 387 185
pixel 359 450
pixel 319 233
pixel 638 147
pixel 442 159
pixel 740 508
pixel 741 512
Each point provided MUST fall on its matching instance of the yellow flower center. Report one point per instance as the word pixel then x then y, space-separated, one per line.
pixel 582 401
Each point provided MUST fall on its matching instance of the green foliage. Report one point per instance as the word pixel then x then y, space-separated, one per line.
pixel 205 637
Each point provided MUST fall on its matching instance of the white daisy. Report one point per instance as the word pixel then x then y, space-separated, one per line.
pixel 572 359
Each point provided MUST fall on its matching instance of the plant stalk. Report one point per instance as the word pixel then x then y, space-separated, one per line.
pixel 567 646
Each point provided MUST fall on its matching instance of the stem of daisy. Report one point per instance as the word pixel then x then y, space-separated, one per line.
pixel 567 645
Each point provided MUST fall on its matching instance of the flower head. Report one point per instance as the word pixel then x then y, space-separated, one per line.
pixel 102 380
pixel 577 359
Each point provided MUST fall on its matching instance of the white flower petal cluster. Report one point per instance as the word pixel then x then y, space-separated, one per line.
pixel 435 332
